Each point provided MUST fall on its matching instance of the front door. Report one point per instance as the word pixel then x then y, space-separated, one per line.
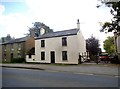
pixel 52 56
pixel 11 57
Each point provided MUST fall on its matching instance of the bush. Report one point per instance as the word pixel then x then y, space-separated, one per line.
pixel 18 60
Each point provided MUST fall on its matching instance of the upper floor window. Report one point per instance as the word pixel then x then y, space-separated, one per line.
pixel 64 41
pixel 42 43
pixel 19 46
pixel 12 47
pixel 5 48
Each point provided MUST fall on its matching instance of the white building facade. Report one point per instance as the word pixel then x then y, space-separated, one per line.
pixel 118 44
pixel 0 52
pixel 61 47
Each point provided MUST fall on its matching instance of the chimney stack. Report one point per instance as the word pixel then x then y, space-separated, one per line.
pixel 78 24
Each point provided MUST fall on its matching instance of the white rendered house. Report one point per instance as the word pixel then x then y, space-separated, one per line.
pixel 0 52
pixel 59 47
pixel 118 46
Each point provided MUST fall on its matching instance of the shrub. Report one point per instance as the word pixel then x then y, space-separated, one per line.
pixel 18 60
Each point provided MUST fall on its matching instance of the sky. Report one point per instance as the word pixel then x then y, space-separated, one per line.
pixel 17 15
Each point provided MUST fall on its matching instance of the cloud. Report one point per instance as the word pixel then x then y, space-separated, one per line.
pixel 58 15
pixel 12 0
pixel 14 24
pixel 62 14
pixel 2 9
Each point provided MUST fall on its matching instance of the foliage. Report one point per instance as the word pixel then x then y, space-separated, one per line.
pixel 109 45
pixel 92 45
pixel 18 60
pixel 38 25
pixel 114 25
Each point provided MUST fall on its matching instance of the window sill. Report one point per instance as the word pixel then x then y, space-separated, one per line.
pixel 64 45
pixel 65 60
pixel 42 47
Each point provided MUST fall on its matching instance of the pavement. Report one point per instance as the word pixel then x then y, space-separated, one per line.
pixel 85 68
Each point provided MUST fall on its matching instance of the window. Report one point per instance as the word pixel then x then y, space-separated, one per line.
pixel 19 55
pixel 19 46
pixel 29 56
pixel 64 41
pixel 12 56
pixel 5 48
pixel 5 57
pixel 64 55
pixel 12 47
pixel 42 55
pixel 42 43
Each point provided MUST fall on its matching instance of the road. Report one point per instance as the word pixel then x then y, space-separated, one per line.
pixel 15 77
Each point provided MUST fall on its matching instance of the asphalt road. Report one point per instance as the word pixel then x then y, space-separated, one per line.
pixel 15 77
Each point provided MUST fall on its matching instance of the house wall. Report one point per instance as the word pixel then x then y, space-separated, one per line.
pixel 29 44
pixel 81 42
pixel 118 47
pixel 7 52
pixel 118 44
pixel 75 45
pixel 20 50
pixel 0 52
pixel 30 59
pixel 15 51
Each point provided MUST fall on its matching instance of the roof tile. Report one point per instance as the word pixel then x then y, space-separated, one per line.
pixel 59 34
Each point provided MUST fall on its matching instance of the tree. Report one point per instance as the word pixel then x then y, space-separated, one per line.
pixel 37 27
pixel 114 25
pixel 109 45
pixel 92 46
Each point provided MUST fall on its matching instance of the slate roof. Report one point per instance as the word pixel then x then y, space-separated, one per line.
pixel 59 34
pixel 16 40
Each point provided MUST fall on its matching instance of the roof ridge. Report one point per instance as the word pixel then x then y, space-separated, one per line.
pixel 64 30
pixel 59 33
pixel 15 40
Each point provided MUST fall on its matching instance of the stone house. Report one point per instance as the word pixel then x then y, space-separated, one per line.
pixel 17 48
pixel 14 48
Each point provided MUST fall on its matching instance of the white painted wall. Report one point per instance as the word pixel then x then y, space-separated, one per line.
pixel 32 59
pixel 75 45
pixel 81 42
pixel 0 52
pixel 118 44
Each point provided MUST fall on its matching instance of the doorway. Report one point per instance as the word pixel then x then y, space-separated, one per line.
pixel 11 57
pixel 52 56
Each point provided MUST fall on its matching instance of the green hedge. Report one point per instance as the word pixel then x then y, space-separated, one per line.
pixel 18 60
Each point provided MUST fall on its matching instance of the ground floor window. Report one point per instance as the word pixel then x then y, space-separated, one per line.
pixel 42 55
pixel 19 55
pixel 64 55
pixel 5 56
pixel 29 56
pixel 5 60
